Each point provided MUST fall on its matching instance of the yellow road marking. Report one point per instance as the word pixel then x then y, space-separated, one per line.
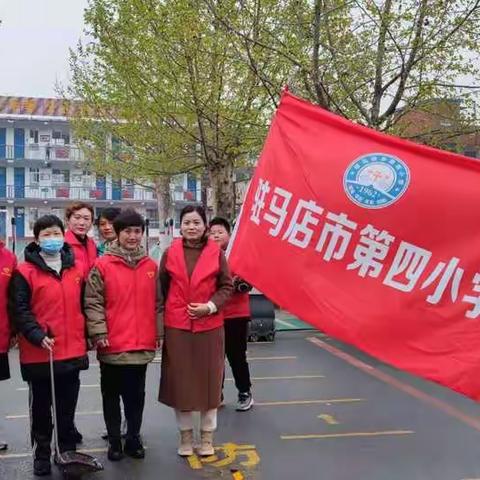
pixel 194 462
pixel 25 415
pixel 292 377
pixel 225 455
pixel 344 435
pixel 310 402
pixel 209 459
pixel 330 419
pixel 272 358
pixel 252 459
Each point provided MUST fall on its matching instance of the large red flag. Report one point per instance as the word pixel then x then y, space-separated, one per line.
pixel 373 239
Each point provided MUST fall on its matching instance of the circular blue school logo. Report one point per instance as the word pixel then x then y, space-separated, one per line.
pixel 376 180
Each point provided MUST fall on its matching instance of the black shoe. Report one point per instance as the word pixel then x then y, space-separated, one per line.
pixel 134 447
pixel 3 446
pixel 77 437
pixel 115 450
pixel 42 467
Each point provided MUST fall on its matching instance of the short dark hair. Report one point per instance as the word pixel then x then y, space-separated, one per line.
pixel 128 218
pixel 222 222
pixel 194 208
pixel 45 222
pixel 109 213
pixel 71 209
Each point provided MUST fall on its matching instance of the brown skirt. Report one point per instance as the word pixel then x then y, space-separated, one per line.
pixel 192 369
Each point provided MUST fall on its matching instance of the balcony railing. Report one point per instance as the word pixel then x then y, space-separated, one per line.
pixel 66 192
pixel 41 152
pixel 182 195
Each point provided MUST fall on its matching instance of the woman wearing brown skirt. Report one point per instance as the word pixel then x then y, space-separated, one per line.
pixel 195 283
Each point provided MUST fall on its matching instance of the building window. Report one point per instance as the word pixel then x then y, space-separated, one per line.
pixel 152 214
pixel 61 137
pixel 60 176
pixel 34 176
pixel 33 136
pixel 87 179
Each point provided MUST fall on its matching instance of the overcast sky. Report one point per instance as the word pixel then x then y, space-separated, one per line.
pixel 35 36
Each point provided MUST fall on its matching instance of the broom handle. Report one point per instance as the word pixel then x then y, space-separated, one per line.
pixel 54 405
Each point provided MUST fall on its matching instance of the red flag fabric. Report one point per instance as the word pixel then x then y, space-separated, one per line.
pixel 372 239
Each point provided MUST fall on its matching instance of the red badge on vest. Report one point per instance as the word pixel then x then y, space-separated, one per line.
pixel 151 274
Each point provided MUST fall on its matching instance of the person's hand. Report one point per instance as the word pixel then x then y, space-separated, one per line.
pixel 102 343
pixel 48 343
pixel 197 310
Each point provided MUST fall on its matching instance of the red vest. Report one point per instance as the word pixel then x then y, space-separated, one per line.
pixel 85 255
pixel 130 303
pixel 7 264
pixel 56 304
pixel 238 306
pixel 199 288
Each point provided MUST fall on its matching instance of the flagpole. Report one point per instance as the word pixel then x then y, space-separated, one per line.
pixel 237 222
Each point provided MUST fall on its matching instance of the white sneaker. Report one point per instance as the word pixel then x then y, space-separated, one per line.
pixel 245 402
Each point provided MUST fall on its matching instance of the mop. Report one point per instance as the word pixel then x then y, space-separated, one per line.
pixel 72 464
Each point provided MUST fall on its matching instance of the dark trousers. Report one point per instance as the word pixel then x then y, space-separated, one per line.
pixel 127 382
pixel 236 351
pixel 77 388
pixel 66 390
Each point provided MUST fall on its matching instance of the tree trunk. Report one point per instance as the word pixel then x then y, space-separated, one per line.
pixel 162 191
pixel 221 181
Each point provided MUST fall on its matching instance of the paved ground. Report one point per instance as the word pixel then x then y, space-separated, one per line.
pixel 324 411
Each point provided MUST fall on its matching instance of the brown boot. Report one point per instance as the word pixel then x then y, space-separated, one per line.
pixel 206 446
pixel 186 443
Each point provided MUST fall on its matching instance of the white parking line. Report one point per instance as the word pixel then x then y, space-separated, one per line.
pixel 25 415
pixel 94 385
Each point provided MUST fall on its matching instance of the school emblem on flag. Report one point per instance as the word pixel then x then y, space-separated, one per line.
pixel 376 180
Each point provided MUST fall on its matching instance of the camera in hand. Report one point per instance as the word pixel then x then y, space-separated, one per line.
pixel 240 285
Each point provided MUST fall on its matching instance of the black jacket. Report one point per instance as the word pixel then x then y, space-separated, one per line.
pixel 23 319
